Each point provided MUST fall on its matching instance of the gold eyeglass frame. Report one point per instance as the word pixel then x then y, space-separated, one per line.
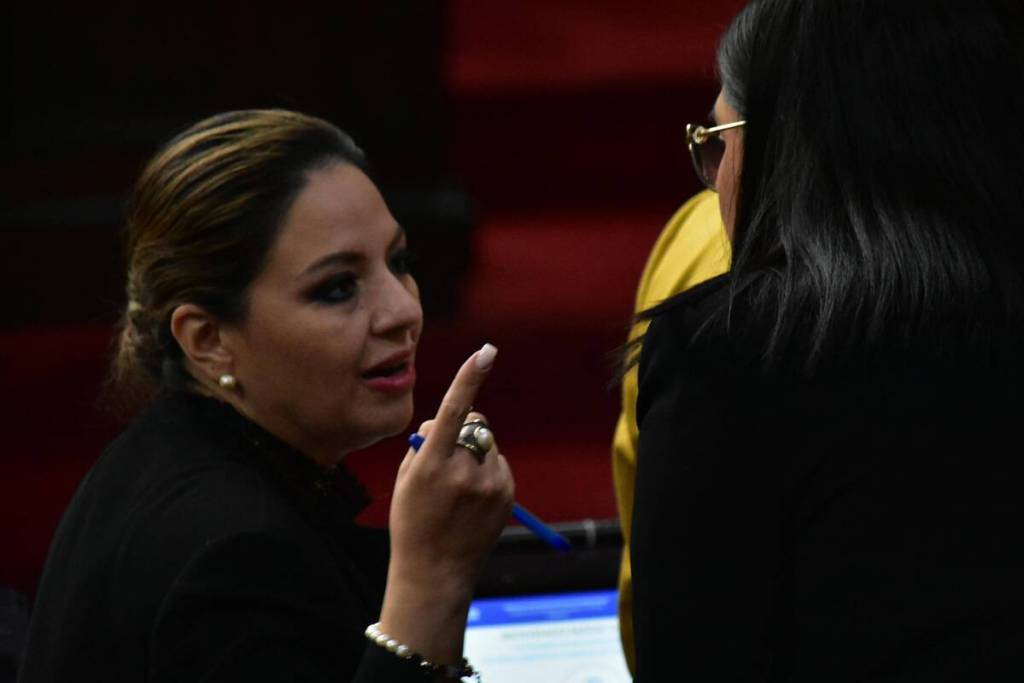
pixel 697 135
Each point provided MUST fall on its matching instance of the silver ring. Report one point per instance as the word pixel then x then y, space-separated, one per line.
pixel 476 437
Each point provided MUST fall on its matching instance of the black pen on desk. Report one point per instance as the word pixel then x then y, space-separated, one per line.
pixel 522 515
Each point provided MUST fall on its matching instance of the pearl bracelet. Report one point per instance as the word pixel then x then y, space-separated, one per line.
pixel 455 672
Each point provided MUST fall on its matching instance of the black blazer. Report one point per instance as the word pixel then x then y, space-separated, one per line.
pixel 860 523
pixel 200 548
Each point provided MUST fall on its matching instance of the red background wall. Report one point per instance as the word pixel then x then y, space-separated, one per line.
pixel 563 121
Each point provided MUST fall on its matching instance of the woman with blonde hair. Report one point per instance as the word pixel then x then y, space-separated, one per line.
pixel 271 329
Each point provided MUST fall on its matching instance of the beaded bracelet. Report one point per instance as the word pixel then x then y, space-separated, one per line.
pixel 455 672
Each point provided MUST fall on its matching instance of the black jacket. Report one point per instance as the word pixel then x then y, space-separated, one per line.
pixel 863 522
pixel 200 548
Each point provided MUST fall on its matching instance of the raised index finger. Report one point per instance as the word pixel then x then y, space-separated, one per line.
pixel 457 402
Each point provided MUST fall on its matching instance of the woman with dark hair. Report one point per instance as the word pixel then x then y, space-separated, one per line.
pixel 828 482
pixel 271 328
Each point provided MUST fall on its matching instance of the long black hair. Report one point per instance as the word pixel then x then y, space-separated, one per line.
pixel 881 197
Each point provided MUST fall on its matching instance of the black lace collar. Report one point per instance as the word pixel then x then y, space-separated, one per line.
pixel 328 496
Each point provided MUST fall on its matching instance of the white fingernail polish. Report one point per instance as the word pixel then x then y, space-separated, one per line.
pixel 485 356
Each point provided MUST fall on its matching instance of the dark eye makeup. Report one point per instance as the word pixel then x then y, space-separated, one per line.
pixel 335 290
pixel 402 261
pixel 341 287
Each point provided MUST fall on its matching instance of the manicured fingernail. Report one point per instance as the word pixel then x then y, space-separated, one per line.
pixel 485 356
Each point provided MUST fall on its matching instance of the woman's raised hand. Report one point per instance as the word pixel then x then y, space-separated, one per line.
pixel 448 508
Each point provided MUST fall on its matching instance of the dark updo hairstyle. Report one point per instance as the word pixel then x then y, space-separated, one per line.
pixel 200 222
pixel 881 198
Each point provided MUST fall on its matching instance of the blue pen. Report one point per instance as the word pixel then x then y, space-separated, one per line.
pixel 522 515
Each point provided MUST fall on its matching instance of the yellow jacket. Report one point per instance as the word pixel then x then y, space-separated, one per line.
pixel 692 248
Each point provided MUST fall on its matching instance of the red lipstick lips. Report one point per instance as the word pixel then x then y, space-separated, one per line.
pixel 393 375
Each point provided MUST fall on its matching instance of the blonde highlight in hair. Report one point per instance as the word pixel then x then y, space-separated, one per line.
pixel 200 222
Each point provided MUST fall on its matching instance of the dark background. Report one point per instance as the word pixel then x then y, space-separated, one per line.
pixel 532 150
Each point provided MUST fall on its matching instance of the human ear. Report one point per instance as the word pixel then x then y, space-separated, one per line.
pixel 200 336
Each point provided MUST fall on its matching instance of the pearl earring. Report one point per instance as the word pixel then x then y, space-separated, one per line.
pixel 227 381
